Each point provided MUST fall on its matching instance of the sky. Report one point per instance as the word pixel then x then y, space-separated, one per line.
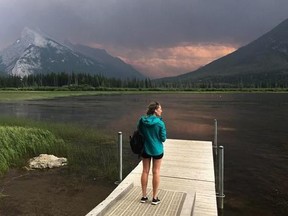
pixel 159 38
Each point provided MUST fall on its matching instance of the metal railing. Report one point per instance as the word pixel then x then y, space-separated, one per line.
pixel 219 168
pixel 120 152
pixel 218 161
pixel 221 194
pixel 215 143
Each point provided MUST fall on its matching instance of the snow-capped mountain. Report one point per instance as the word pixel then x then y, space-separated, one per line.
pixel 34 53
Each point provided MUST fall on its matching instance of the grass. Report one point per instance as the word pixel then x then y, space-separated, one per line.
pixel 2 195
pixel 16 95
pixel 89 152
pixel 19 143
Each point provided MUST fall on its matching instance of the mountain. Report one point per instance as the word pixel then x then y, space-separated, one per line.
pixel 113 64
pixel 35 53
pixel 263 60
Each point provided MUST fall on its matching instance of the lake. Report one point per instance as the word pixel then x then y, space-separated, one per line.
pixel 251 127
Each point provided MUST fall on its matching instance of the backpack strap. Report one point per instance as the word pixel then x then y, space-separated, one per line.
pixel 139 124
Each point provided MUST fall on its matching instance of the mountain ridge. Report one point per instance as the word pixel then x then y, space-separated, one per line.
pixel 264 57
pixel 36 53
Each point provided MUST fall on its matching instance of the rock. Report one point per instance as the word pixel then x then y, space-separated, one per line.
pixel 46 161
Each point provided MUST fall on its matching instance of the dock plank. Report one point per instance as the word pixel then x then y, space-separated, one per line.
pixel 187 167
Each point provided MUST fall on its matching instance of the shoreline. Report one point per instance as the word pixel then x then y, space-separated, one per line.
pixel 23 95
pixel 50 192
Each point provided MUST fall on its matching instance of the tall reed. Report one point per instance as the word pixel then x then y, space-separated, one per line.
pixel 18 144
pixel 89 151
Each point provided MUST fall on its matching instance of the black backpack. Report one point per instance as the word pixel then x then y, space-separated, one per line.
pixel 137 141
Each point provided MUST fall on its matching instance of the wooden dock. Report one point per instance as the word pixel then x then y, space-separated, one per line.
pixel 187 185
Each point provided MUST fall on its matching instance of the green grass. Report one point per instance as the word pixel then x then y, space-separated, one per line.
pixel 89 152
pixel 19 143
pixel 16 95
pixel 34 95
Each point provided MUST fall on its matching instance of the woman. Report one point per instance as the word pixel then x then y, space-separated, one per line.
pixel 154 131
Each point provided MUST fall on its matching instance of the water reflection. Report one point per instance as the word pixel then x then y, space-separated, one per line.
pixel 186 115
pixel 252 128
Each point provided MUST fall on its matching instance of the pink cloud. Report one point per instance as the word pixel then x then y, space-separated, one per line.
pixel 171 61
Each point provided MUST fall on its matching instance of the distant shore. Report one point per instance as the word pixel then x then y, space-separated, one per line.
pixel 34 94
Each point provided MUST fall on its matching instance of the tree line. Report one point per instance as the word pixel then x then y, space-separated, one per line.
pixel 83 81
pixel 72 79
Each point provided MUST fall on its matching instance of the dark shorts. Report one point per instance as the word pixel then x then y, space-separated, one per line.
pixel 157 157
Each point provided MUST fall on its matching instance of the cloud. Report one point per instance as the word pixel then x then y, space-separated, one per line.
pixel 171 61
pixel 149 28
pixel 149 23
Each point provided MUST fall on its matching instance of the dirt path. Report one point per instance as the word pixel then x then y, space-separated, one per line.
pixel 50 192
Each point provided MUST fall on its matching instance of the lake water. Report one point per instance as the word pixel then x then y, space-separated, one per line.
pixel 251 127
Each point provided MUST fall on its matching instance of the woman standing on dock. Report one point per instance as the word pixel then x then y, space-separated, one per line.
pixel 154 130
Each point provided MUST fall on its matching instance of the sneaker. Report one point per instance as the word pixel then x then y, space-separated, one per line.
pixel 144 199
pixel 155 201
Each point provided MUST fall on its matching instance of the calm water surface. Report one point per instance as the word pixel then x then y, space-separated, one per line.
pixel 251 127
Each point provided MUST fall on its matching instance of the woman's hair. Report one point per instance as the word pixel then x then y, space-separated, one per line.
pixel 152 107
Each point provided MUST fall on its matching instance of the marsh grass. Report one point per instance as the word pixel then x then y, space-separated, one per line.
pixel 16 95
pixel 3 195
pixel 89 152
pixel 19 143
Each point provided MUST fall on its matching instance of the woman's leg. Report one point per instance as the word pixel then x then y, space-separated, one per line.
pixel 145 173
pixel 156 176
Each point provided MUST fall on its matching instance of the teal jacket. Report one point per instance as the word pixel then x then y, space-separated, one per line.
pixel 154 130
